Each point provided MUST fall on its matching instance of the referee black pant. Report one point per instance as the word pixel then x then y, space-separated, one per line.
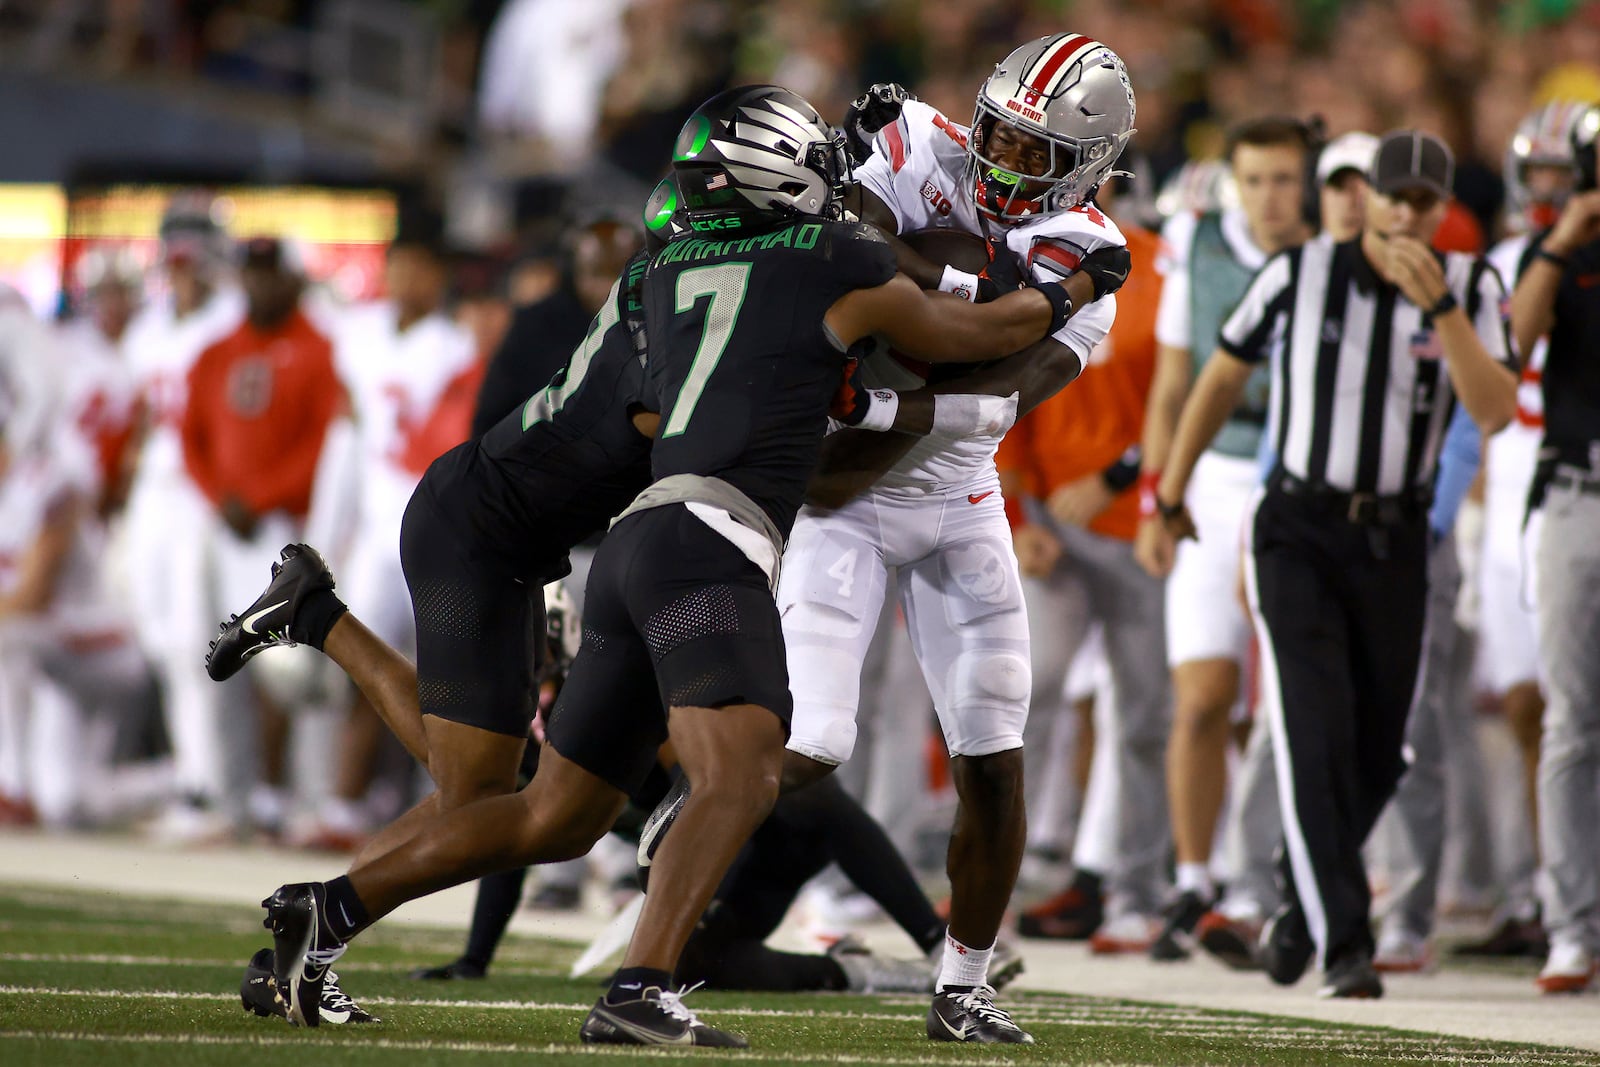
pixel 1339 609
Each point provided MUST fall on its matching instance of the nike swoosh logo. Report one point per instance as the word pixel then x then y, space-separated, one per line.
pixel 647 1036
pixel 971 499
pixel 345 915
pixel 251 619
pixel 959 1035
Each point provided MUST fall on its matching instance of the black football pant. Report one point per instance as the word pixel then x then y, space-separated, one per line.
pixel 1339 610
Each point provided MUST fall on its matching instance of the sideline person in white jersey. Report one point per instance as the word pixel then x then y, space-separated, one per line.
pixel 395 356
pixel 1212 258
pixel 1541 170
pixel 166 523
pixel 1049 125
pixel 66 651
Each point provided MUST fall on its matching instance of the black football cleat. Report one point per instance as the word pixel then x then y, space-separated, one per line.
pixel 1352 978
pixel 1286 947
pixel 303 949
pixel 259 992
pixel 656 826
pixel 1072 915
pixel 269 620
pixel 462 968
pixel 970 1016
pixel 1176 940
pixel 656 1018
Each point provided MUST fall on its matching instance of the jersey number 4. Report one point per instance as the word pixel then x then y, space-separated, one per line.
pixel 725 284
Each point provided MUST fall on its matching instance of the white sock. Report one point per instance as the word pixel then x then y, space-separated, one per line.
pixel 1195 878
pixel 268 804
pixel 963 966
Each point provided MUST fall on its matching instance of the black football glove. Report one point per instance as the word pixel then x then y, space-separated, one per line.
pixel 869 113
pixel 1107 268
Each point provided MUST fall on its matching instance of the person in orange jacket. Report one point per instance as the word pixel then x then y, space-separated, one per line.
pixel 260 401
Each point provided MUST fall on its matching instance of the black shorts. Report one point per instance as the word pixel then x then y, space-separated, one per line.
pixel 674 616
pixel 477 628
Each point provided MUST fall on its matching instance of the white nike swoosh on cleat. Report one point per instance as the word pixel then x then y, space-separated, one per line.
pixel 646 1036
pixel 959 1035
pixel 251 619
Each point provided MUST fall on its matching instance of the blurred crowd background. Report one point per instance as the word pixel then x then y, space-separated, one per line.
pixel 465 161
pixel 502 112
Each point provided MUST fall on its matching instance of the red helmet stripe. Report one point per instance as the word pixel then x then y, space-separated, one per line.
pixel 1056 59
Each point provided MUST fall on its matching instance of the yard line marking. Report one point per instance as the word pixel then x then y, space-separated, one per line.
pixel 1367 1041
pixel 182 961
pixel 630 1052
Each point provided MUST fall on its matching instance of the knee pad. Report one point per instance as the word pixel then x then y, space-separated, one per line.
pixel 988 699
pixel 823 733
pixel 995 675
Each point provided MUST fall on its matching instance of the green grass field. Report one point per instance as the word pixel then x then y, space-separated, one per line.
pixel 115 982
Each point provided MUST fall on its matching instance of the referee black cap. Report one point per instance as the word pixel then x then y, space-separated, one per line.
pixel 1411 159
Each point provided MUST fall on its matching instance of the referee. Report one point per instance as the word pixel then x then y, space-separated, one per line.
pixel 1372 340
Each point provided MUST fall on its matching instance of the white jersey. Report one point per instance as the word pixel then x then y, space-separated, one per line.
pixel 33 380
pixel 916 169
pixel 160 348
pixel 102 393
pixel 1513 451
pixel 394 379
pixel 31 489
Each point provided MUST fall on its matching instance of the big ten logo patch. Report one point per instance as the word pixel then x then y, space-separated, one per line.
pixel 249 386
pixel 940 202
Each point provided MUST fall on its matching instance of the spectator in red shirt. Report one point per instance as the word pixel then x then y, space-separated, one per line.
pixel 261 399
pixel 259 406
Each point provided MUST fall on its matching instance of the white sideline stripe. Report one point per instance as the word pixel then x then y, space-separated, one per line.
pixel 174 961
pixel 1379 1043
pixel 1430 1054
pixel 632 1052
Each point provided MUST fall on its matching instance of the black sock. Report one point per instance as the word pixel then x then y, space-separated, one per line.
pixel 498 895
pixel 1088 882
pixel 631 982
pixel 314 617
pixel 342 910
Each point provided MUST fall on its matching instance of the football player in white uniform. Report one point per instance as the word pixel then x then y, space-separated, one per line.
pixel 1541 170
pixel 167 520
pixel 1049 125
pixel 395 356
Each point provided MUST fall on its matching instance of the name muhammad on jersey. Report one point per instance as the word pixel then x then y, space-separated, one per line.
pixel 693 248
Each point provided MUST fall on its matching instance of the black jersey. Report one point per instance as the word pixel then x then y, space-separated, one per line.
pixel 739 356
pixel 560 467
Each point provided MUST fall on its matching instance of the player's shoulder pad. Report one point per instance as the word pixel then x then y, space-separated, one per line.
pixel 859 252
pixel 920 133
pixel 1053 245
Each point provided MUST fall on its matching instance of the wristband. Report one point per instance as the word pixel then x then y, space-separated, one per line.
pixel 960 283
pixel 1124 472
pixel 1060 304
pixel 1557 258
pixel 1148 480
pixel 881 411
pixel 1446 304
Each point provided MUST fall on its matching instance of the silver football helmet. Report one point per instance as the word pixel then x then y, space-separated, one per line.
pixel 1069 90
pixel 756 155
pixel 1548 137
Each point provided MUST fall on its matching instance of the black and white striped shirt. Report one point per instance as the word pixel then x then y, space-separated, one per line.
pixel 1360 395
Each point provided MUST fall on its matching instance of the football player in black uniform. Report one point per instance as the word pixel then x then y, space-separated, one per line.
pixel 751 333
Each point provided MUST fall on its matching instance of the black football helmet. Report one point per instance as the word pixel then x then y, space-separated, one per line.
pixel 753 157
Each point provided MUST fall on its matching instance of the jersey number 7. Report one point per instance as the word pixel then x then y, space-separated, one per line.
pixel 725 284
